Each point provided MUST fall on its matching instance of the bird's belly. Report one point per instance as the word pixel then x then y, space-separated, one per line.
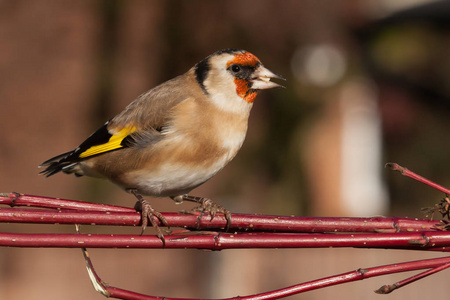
pixel 171 179
pixel 181 162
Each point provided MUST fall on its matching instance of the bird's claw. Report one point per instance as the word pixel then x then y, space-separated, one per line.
pixel 206 205
pixel 149 213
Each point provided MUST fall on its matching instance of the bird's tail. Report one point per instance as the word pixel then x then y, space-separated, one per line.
pixel 57 164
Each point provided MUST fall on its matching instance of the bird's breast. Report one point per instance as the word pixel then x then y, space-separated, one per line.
pixel 196 146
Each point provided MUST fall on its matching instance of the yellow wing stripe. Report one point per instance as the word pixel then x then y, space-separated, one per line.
pixel 112 144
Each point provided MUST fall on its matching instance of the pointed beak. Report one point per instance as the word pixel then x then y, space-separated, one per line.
pixel 261 79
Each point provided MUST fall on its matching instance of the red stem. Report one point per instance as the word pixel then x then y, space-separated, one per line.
pixel 438 241
pixel 393 233
pixel 386 289
pixel 404 171
pixel 359 274
pixel 129 295
pixel 240 222
pixel 16 199
pixel 101 214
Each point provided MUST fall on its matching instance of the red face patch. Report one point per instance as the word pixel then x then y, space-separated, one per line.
pixel 243 91
pixel 245 59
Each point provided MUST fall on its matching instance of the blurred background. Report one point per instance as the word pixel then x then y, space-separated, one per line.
pixel 367 83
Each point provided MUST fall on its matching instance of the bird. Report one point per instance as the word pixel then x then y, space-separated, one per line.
pixel 175 136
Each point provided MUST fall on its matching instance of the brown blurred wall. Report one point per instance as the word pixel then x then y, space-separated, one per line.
pixel 68 66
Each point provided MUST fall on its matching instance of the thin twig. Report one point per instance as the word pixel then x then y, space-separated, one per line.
pixel 16 199
pixel 351 276
pixel 386 289
pixel 97 283
pixel 359 274
pixel 404 171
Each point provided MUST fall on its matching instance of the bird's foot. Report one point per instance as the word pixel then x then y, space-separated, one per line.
pixel 206 205
pixel 149 213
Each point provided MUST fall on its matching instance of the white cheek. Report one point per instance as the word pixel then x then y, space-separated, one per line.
pixel 222 92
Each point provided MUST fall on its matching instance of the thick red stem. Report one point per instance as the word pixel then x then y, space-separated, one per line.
pixel 438 241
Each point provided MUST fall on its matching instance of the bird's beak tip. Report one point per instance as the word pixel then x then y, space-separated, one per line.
pixel 262 79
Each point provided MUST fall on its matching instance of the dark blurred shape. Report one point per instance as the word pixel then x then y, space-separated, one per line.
pixel 409 49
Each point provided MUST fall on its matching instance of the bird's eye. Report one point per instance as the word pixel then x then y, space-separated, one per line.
pixel 235 68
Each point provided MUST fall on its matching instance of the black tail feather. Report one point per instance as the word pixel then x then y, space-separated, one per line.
pixel 57 158
pixel 57 164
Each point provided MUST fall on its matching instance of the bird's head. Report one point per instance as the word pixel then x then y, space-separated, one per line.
pixel 232 72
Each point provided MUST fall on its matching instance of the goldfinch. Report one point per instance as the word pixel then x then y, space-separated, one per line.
pixel 176 136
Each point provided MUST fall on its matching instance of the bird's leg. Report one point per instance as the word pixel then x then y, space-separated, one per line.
pixel 149 213
pixel 205 205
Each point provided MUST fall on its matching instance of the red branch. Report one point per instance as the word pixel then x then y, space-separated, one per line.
pixel 386 289
pixel 359 274
pixel 436 241
pixel 102 214
pixel 249 231
pixel 405 172
pixel 16 199
pixel 351 276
